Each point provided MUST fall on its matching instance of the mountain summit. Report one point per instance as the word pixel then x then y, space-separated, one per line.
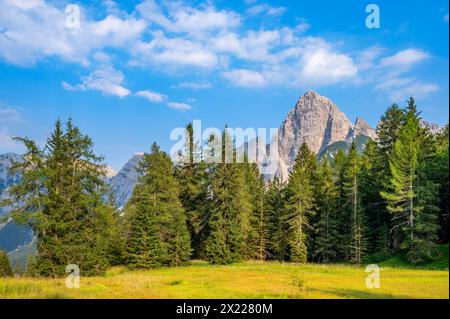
pixel 318 122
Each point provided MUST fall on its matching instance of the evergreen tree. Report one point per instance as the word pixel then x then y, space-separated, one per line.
pixel 387 132
pixel 230 216
pixel 61 197
pixel 192 175
pixel 351 180
pixel 5 266
pixel 411 200
pixel 157 230
pixel 274 203
pixel 343 220
pixel 257 237
pixel 299 206
pixel 326 227
pixel 441 176
pixel 378 236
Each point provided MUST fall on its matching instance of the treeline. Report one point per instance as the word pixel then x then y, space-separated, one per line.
pixel 352 207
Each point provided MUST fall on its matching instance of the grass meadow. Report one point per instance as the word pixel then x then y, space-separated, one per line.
pixel 243 280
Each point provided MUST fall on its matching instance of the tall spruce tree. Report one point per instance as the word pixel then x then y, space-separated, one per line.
pixel 230 217
pixel 413 214
pixel 274 205
pixel 387 132
pixel 354 210
pixel 256 236
pixel 441 176
pixel 61 196
pixel 5 266
pixel 192 174
pixel 371 181
pixel 157 230
pixel 326 227
pixel 343 220
pixel 299 206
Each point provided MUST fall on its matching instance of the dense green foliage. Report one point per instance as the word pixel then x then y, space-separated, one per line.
pixel 157 233
pixel 5 266
pixel 61 197
pixel 356 204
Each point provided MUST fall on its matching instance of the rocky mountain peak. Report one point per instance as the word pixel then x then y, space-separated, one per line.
pixel 361 127
pixel 315 120
pixel 122 184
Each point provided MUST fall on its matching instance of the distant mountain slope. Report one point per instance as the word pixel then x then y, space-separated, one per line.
pixel 331 150
pixel 122 184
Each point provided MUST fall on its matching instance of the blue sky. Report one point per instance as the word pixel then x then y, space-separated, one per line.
pixel 134 70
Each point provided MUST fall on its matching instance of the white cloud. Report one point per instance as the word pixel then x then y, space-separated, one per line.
pixel 405 58
pixel 174 36
pixel 174 52
pixel 326 67
pixel 265 9
pixel 7 144
pixel 104 79
pixel 152 96
pixel 194 85
pixel 179 106
pixel 400 88
pixel 9 115
pixel 36 30
pixel 183 19
pixel 302 27
pixel 245 78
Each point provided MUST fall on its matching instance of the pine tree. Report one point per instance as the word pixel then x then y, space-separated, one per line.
pixel 343 220
pixel 192 174
pixel 5 266
pixel 257 238
pixel 412 213
pixel 157 230
pixel 327 208
pixel 351 180
pixel 441 176
pixel 387 132
pixel 61 197
pixel 378 236
pixel 274 203
pixel 299 206
pixel 230 216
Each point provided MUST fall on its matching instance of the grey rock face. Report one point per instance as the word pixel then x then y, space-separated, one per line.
pixel 433 127
pixel 361 127
pixel 318 122
pixel 123 183
pixel 7 179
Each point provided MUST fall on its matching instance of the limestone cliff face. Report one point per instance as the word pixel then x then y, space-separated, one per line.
pixel 361 127
pixel 315 120
pixel 122 184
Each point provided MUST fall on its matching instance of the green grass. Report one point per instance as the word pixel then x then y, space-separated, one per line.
pixel 440 263
pixel 242 280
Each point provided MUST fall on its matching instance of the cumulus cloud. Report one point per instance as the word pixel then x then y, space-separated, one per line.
pixel 322 65
pixel 9 115
pixel 245 78
pixel 184 19
pixel 104 79
pixel 169 36
pixel 7 143
pixel 405 58
pixel 400 88
pixel 194 85
pixel 152 96
pixel 36 30
pixel 265 9
pixel 179 106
